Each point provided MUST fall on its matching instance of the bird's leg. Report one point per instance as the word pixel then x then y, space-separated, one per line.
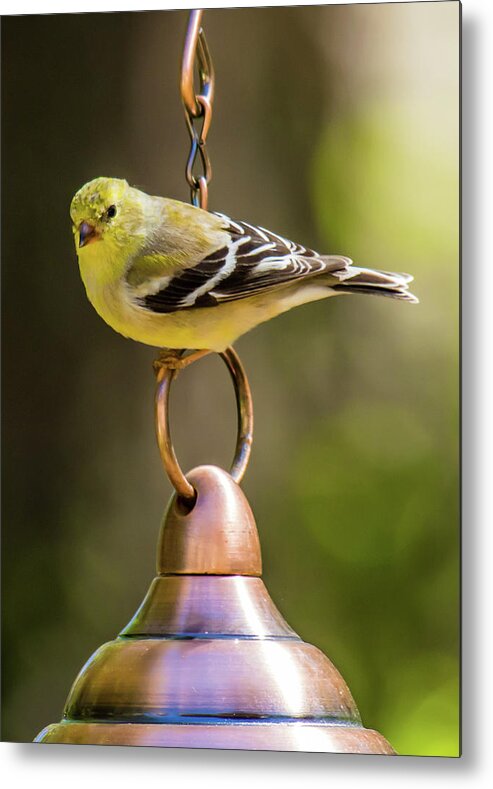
pixel 174 359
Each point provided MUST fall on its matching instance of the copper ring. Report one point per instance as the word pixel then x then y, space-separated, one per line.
pixel 244 406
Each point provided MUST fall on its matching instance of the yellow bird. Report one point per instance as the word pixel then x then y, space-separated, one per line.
pixel 170 275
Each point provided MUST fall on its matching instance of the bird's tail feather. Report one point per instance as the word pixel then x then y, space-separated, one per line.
pixel 380 283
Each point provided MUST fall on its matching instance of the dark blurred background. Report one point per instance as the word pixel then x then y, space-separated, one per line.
pixel 335 126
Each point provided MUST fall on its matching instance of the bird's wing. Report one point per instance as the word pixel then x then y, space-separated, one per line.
pixel 253 261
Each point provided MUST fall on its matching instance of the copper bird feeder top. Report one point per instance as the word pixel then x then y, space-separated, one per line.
pixel 208 661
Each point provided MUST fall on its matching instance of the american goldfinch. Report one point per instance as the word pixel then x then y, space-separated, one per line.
pixel 171 275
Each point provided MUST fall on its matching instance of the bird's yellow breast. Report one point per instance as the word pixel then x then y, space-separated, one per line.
pixel 212 328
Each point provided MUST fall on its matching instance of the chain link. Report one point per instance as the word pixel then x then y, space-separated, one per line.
pixel 198 108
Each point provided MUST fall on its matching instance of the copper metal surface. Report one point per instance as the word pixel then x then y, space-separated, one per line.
pixel 165 377
pixel 295 736
pixel 198 605
pixel 208 661
pixel 219 535
pixel 160 679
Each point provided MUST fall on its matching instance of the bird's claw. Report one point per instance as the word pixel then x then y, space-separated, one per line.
pixel 169 359
pixel 172 359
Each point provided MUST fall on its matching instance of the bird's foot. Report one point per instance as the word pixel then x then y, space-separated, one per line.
pixel 174 359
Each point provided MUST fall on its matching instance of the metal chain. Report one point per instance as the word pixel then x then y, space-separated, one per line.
pixel 198 114
pixel 198 107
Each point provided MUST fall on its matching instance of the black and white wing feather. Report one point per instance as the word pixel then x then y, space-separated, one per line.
pixel 255 260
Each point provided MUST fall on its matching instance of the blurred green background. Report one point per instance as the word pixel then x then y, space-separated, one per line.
pixel 336 126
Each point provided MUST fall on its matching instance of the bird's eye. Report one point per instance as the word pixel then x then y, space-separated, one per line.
pixel 111 212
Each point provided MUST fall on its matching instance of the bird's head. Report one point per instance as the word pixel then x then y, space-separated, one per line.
pixel 106 211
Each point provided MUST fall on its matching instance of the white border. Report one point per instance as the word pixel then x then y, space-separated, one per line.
pixel 62 6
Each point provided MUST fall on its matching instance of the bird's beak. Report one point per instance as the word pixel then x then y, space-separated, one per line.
pixel 87 234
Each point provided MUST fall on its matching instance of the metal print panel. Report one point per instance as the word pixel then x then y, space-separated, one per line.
pixel 175 183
